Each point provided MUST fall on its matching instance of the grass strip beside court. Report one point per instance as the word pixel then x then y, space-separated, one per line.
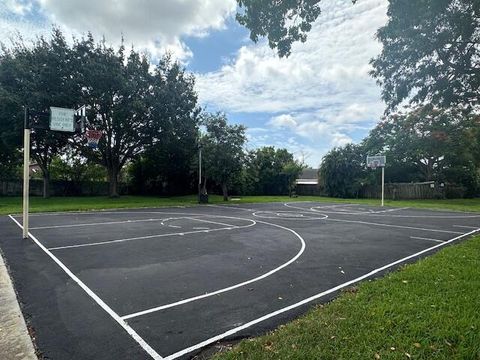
pixel 13 205
pixel 428 310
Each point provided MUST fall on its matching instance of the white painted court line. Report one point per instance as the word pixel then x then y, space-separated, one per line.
pixel 148 349
pixel 212 222
pixel 393 226
pixel 428 239
pixel 107 242
pixel 289 215
pixel 364 212
pixel 94 224
pixel 203 296
pixel 310 299
pixel 465 227
pixel 384 213
pixel 230 207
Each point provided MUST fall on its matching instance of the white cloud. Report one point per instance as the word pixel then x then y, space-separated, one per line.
pixel 18 7
pixel 152 25
pixel 283 121
pixel 315 130
pixel 323 90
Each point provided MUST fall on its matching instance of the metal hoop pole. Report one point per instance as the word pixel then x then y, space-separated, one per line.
pixel 26 174
pixel 383 184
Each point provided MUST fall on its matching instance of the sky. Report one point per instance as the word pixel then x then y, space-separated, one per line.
pixel 320 97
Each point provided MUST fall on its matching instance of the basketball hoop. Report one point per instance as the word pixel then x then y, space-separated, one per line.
pixel 93 137
pixel 374 162
pixel 373 165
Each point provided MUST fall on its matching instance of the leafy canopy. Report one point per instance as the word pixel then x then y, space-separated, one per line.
pixel 430 53
pixel 223 152
pixel 343 170
pixel 281 22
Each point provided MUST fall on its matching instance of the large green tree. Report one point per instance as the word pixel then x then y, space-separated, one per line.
pixel 427 143
pixel 430 53
pixel 343 171
pixel 223 151
pixel 165 167
pixel 118 89
pixel 271 171
pixel 36 76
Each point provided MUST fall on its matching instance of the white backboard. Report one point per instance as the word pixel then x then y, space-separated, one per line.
pixel 376 161
pixel 62 119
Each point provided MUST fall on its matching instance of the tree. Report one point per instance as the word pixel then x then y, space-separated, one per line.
pixel 343 171
pixel 292 170
pixel 223 152
pixel 271 171
pixel 37 77
pixel 430 53
pixel 118 91
pixel 76 169
pixel 166 165
pixel 282 22
pixel 136 109
pixel 426 144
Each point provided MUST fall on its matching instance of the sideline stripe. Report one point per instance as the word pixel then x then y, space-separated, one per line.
pixel 99 301
pixel 148 237
pixel 93 224
pixel 271 272
pixel 310 299
pixel 429 239
pixel 394 226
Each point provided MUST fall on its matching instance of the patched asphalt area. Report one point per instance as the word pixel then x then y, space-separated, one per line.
pixel 165 283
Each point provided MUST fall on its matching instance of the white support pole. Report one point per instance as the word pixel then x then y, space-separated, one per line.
pixel 26 180
pixel 199 174
pixel 383 183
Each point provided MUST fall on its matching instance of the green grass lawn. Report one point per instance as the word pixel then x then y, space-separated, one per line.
pixel 12 205
pixel 428 310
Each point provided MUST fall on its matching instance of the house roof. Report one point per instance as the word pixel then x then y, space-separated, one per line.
pixel 309 173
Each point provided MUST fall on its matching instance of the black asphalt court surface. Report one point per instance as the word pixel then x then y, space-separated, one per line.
pixel 166 283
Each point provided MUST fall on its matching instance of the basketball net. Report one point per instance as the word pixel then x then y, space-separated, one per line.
pixel 93 137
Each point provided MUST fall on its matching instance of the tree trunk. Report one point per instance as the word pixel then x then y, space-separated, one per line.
pixel 113 182
pixel 225 192
pixel 46 184
pixel 204 186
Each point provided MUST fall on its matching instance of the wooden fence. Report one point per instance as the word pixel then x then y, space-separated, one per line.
pixel 59 188
pixel 406 191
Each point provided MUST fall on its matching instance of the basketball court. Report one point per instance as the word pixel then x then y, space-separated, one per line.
pixel 166 283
